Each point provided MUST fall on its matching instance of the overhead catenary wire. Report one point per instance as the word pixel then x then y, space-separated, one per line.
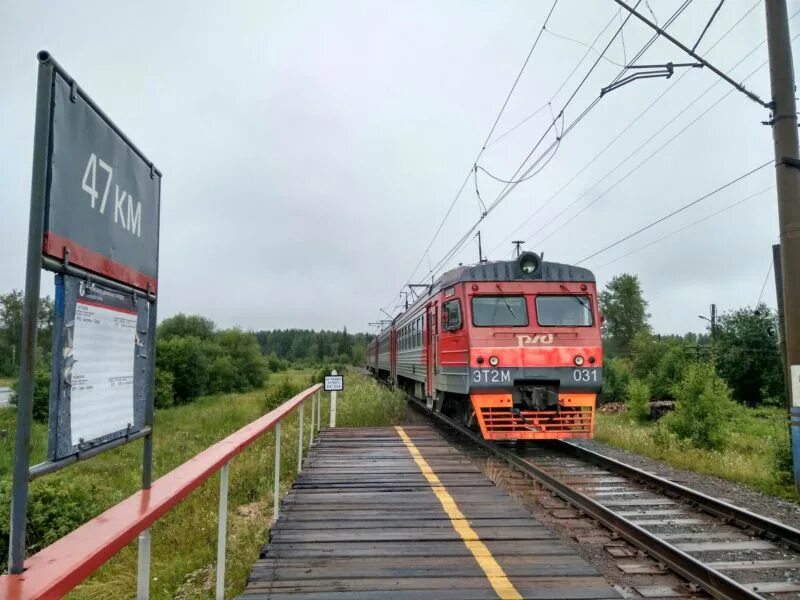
pixel 764 285
pixel 509 187
pixel 483 146
pixel 676 211
pixel 711 20
pixel 553 231
pixel 662 32
pixel 622 132
pixel 685 227
pixel 589 49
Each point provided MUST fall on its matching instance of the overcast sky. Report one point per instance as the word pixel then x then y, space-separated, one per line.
pixel 310 149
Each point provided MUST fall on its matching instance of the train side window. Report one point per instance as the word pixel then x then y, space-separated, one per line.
pixel 451 315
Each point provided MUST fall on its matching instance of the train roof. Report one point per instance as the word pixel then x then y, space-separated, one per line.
pixel 509 270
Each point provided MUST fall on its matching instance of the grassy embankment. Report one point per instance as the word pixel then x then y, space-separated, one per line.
pixel 7 381
pixel 756 443
pixel 184 542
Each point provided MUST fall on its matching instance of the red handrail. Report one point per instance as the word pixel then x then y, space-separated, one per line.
pixel 57 569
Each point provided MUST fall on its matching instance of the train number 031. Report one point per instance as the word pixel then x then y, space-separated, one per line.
pixel 584 375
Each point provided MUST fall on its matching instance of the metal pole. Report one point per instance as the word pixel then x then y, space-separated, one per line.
pixel 277 477
pixel 143 562
pixel 311 425
pixel 143 567
pixel 300 438
pixel 777 269
pixel 30 318
pixel 787 173
pixel 319 410
pixel 222 530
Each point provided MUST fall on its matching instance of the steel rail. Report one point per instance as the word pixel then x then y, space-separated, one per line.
pixel 736 515
pixel 707 578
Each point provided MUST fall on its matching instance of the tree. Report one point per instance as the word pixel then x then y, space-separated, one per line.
pixel 11 329
pixel 746 354
pixel 703 408
pixel 187 360
pixel 182 325
pixel 625 311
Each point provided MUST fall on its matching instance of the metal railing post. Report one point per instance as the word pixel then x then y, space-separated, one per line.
pixel 319 410
pixel 222 530
pixel 277 471
pixel 300 439
pixel 143 567
pixel 311 424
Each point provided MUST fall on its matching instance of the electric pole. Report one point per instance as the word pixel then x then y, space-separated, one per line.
pixel 713 322
pixel 787 175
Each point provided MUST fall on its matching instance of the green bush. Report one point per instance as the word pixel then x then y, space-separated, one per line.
pixel 637 399
pixel 41 393
pixel 703 408
pixel 56 506
pixel 186 359
pixel 319 375
pixel 280 392
pixel 164 392
pixel 616 375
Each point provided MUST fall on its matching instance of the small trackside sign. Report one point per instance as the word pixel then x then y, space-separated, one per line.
pixel 334 383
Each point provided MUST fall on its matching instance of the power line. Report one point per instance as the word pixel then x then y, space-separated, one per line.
pixel 662 32
pixel 585 45
pixel 510 187
pixel 590 48
pixel 764 285
pixel 646 159
pixel 676 211
pixel 483 146
pixel 624 130
pixel 685 227
pixel 711 20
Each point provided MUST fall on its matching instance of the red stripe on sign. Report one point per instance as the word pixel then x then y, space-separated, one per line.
pixel 81 256
pixel 107 307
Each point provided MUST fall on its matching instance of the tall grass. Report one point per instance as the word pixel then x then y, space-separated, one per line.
pixel 184 541
pixel 755 441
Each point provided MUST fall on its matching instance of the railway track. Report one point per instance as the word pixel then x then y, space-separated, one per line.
pixel 722 549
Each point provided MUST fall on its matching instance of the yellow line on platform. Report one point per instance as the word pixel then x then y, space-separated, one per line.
pixel 494 572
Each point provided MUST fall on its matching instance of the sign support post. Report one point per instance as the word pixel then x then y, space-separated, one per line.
pixel 30 318
pixel 94 222
pixel 334 383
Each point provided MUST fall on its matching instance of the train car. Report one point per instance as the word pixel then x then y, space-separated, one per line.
pixel 512 348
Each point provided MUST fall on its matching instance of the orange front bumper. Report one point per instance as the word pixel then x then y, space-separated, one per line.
pixel 574 419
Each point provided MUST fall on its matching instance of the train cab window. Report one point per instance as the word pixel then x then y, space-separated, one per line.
pixel 564 311
pixel 451 315
pixel 499 311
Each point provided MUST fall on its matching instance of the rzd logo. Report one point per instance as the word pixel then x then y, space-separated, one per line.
pixel 535 339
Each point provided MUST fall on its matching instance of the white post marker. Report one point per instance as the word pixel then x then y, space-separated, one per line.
pixel 334 383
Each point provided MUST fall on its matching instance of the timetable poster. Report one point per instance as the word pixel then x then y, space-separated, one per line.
pixel 104 341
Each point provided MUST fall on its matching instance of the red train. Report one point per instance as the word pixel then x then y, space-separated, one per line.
pixel 510 347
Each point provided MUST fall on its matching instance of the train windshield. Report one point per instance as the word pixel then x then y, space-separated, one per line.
pixel 565 311
pixel 499 311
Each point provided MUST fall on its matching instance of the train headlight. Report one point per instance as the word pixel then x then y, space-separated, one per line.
pixel 494 361
pixel 578 360
pixel 529 263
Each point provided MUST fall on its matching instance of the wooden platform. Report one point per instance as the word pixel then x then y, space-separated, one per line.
pixel 382 513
